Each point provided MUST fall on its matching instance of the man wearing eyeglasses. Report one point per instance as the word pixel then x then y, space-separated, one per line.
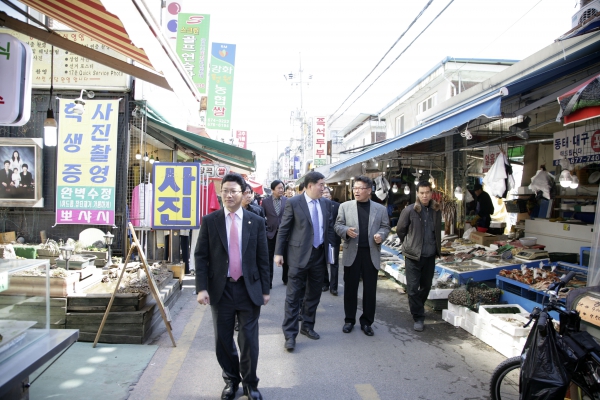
pixel 420 230
pixel 306 231
pixel 363 225
pixel 232 275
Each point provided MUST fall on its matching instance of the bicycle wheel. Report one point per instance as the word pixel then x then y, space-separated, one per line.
pixel 504 384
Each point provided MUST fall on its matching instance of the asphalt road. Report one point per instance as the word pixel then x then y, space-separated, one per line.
pixel 443 362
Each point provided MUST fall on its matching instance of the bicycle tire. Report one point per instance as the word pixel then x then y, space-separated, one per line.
pixel 498 385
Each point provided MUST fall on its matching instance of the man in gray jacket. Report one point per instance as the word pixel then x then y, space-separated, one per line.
pixel 363 225
pixel 420 229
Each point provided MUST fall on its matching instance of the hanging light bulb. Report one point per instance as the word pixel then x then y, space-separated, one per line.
pixel 395 188
pixel 406 189
pixel 564 163
pixel 565 178
pixel 347 183
pixel 458 193
pixel 146 156
pixel 157 160
pixel 138 156
pixel 574 182
pixel 50 138
pixel 151 160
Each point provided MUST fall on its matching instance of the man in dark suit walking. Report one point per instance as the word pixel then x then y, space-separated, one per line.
pixel 306 230
pixel 332 284
pixel 232 275
pixel 274 206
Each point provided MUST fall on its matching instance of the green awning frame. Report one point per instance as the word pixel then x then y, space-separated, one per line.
pixel 209 148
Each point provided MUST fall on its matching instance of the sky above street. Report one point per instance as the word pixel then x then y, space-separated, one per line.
pixel 340 42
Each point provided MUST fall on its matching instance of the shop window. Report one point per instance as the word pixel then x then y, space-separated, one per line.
pixel 400 125
pixel 427 104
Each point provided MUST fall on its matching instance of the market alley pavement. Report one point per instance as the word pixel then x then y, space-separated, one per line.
pixel 443 362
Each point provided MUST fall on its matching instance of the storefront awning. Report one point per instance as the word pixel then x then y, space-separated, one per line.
pixel 209 148
pixel 488 106
pixel 256 187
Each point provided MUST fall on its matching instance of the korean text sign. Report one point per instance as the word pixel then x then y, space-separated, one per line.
pixel 192 46
pixel 319 141
pixel 86 163
pixel 220 88
pixel 579 146
pixel 175 202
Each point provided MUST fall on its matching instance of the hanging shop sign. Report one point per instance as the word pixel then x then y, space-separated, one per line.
pixel 242 138
pixel 580 145
pixel 214 170
pixel 86 163
pixel 319 141
pixel 297 167
pixel 220 90
pixel 490 154
pixel 192 46
pixel 71 70
pixel 15 72
pixel 175 201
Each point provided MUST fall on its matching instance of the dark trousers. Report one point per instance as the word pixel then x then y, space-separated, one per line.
pixel 271 243
pixel 184 241
pixel 419 275
pixel 235 301
pixel 311 276
pixel 362 266
pixel 332 281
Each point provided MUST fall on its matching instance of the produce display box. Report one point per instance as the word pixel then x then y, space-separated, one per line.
pixel 483 238
pixel 8 237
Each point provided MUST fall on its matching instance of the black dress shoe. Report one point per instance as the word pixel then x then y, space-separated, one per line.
pixel 333 292
pixel 252 393
pixel 229 391
pixel 347 327
pixel 325 288
pixel 367 330
pixel 290 344
pixel 311 334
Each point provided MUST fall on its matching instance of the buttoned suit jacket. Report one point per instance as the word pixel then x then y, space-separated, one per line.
pixel 348 218
pixel 297 230
pixel 212 256
pixel 273 219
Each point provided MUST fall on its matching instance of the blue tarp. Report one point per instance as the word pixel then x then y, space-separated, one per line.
pixel 475 109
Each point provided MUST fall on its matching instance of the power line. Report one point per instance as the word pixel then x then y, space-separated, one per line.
pixel 386 53
pixel 396 59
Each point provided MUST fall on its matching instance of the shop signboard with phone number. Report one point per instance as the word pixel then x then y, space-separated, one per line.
pixel 578 146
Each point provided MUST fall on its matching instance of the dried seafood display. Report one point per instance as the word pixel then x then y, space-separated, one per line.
pixel 538 278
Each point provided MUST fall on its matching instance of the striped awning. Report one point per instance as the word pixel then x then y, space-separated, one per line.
pixel 91 18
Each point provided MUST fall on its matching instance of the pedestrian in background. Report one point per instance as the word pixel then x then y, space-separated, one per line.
pixel 331 279
pixel 307 231
pixel 290 191
pixel 420 230
pixel 273 207
pixel 249 204
pixel 232 276
pixel 363 225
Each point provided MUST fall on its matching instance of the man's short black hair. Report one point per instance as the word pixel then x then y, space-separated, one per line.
pixel 25 166
pixel 276 183
pixel 313 177
pixel 7 162
pixel 301 187
pixel 423 184
pixel 364 179
pixel 237 178
pixel 248 187
pixel 477 186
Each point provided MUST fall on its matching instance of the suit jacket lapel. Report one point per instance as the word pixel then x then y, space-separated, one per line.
pixel 304 207
pixel 283 201
pixel 372 214
pixel 220 222
pixel 325 211
pixel 245 232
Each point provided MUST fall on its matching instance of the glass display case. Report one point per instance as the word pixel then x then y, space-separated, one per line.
pixel 24 304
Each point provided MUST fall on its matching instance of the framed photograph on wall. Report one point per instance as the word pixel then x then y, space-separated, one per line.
pixel 21 176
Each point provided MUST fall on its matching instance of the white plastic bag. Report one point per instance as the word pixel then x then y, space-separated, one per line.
pixel 468 232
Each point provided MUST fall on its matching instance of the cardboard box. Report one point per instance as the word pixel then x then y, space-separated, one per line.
pixel 483 238
pixel 522 217
pixel 8 237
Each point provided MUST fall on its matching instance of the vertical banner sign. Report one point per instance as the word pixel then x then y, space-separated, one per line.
pixel 296 167
pixel 220 90
pixel 87 163
pixel 192 44
pixel 242 137
pixel 176 198
pixel 490 154
pixel 319 141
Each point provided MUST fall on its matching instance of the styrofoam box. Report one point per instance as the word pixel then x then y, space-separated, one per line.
pixel 458 310
pixel 484 315
pixel 514 330
pixel 468 326
pixel 472 316
pixel 447 313
pixel 439 294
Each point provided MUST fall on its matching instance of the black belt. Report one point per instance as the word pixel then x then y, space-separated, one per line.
pixel 319 247
pixel 230 279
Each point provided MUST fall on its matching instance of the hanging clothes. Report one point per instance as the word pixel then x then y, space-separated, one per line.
pixel 499 179
pixel 382 187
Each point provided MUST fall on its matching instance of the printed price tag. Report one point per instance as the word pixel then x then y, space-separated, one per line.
pixel 3 281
